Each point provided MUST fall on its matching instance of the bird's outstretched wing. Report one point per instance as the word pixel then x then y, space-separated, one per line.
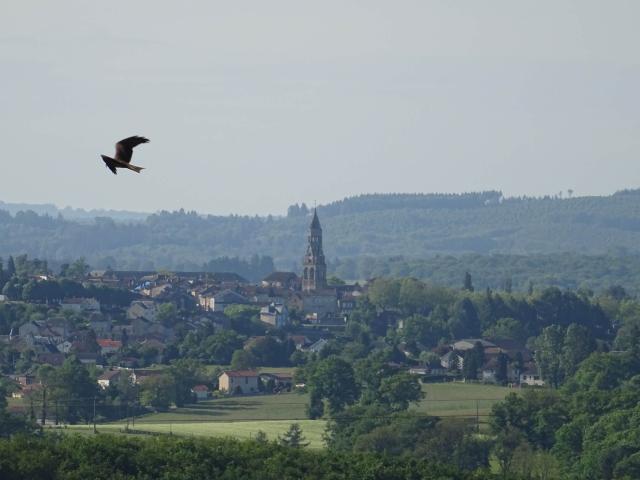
pixel 124 148
pixel 111 165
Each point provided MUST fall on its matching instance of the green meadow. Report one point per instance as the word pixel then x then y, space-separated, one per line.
pixel 311 429
pixel 244 416
pixel 461 399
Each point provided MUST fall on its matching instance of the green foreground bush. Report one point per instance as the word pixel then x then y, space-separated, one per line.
pixel 114 457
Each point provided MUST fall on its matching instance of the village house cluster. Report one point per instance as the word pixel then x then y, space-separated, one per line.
pixel 202 299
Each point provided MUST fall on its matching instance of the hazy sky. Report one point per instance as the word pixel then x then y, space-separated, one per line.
pixel 253 105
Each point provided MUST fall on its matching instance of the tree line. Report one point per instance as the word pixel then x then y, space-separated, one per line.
pixel 72 457
pixel 504 272
pixel 589 428
pixel 27 279
pixel 413 226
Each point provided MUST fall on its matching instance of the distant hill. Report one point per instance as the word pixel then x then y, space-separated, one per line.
pixel 378 226
pixel 70 213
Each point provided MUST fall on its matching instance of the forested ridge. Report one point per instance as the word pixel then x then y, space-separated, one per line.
pixel 108 457
pixel 415 226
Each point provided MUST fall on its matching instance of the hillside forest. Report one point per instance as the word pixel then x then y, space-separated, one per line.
pixel 379 226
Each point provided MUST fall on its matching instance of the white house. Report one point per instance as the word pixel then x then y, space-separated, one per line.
pixel 238 381
pixel 530 376
pixel 276 315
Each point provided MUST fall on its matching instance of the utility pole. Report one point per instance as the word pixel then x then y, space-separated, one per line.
pixel 477 417
pixel 44 405
pixel 94 415
pixel 133 416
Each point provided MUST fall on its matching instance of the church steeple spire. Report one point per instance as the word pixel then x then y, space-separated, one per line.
pixel 314 268
pixel 315 223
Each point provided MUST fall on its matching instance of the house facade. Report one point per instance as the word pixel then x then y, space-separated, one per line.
pixel 275 315
pixel 530 376
pixel 238 381
pixel 201 392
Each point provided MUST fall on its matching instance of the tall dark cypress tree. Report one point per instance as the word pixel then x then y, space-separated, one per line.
pixel 11 268
pixel 468 284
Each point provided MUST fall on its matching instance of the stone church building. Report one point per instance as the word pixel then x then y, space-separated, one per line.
pixel 314 268
pixel 318 300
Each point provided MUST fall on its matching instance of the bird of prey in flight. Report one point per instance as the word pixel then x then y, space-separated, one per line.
pixel 124 150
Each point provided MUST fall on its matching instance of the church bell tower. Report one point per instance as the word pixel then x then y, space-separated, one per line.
pixel 314 268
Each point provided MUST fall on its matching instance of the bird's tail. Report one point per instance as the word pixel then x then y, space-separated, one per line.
pixel 135 168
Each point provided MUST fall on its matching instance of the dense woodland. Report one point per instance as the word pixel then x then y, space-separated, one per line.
pixel 106 457
pixel 414 226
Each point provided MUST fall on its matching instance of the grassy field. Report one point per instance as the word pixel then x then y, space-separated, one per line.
pixel 461 399
pixel 244 416
pixel 311 429
pixel 441 399
pixel 284 406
